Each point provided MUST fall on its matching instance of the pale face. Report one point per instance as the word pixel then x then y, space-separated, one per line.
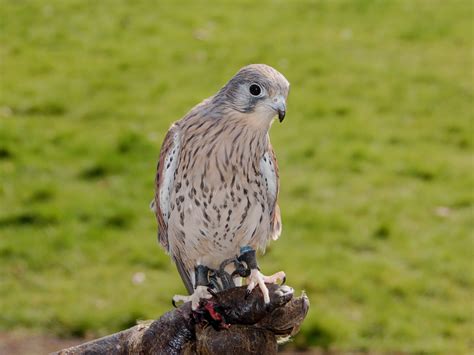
pixel 260 92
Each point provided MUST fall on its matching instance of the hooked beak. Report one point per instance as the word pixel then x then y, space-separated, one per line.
pixel 281 114
pixel 280 107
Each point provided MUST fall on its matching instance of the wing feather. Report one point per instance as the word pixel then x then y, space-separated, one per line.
pixel 164 181
pixel 166 172
pixel 269 171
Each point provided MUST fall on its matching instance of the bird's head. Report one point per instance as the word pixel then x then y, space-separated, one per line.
pixel 257 91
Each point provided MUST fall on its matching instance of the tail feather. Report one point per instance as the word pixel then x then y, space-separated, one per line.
pixel 184 273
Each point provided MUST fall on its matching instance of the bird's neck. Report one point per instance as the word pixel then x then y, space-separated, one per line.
pixel 258 122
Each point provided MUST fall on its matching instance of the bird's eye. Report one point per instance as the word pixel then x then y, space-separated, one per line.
pixel 255 89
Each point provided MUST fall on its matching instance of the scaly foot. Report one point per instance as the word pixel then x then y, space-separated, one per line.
pixel 257 278
pixel 200 293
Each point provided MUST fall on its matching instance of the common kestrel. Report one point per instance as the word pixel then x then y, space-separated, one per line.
pixel 217 184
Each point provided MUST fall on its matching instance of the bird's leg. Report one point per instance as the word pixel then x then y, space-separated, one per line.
pixel 248 255
pixel 226 279
pixel 221 280
pixel 201 273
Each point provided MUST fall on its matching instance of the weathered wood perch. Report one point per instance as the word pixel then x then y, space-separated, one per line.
pixel 254 327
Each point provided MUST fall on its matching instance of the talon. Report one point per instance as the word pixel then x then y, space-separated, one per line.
pixel 247 293
pixel 241 271
pixel 174 303
pixel 211 291
pixel 256 278
pixel 200 293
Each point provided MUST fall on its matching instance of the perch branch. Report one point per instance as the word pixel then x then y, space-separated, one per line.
pixel 254 328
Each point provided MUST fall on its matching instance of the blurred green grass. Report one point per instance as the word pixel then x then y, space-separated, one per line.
pixel 375 158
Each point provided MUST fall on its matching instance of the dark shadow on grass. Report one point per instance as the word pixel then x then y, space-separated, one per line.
pixel 106 166
pixel 41 195
pixel 382 232
pixel 27 219
pixel 5 153
pixel 41 109
pixel 8 253
pixel 418 173
pixel 94 172
pixel 132 142
pixel 118 220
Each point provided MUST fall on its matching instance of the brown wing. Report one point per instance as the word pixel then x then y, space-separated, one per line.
pixel 169 156
pixel 269 170
pixel 165 175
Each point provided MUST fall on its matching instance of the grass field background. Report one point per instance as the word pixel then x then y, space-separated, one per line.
pixel 375 158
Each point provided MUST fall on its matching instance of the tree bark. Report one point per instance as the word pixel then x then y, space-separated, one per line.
pixel 249 327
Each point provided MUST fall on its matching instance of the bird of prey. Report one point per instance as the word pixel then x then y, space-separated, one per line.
pixel 217 183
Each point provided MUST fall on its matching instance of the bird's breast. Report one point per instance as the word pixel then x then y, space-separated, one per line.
pixel 219 199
